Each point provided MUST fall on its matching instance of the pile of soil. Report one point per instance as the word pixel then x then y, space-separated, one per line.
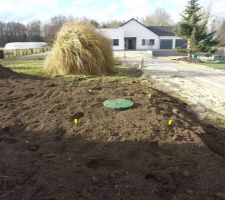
pixel 110 154
pixel 5 72
pixel 188 59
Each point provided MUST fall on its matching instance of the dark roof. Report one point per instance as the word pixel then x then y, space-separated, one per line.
pixel 158 30
pixel 162 30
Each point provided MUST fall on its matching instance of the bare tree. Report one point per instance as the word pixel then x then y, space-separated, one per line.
pixel 2 35
pixel 218 25
pixel 112 24
pixel 12 32
pixel 206 12
pixel 159 18
pixel 51 29
pixel 93 22
pixel 34 31
pixel 221 34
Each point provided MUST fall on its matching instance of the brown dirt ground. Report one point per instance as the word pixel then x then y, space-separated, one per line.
pixel 187 59
pixel 127 155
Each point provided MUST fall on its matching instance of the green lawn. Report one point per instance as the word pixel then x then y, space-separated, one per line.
pixel 216 65
pixel 31 67
pixel 35 68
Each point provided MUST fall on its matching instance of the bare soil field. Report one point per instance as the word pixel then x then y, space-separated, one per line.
pixel 126 155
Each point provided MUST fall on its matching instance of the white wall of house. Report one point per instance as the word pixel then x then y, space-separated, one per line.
pixel 134 29
pixel 115 33
pixel 174 38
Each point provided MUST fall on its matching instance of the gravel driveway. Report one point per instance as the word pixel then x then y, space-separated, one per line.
pixel 202 87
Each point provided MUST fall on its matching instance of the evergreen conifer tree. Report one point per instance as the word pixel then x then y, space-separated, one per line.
pixel 193 28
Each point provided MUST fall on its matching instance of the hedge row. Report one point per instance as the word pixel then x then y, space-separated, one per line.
pixel 24 52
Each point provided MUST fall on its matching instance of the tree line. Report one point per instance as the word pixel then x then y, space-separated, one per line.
pixel 36 31
pixel 18 32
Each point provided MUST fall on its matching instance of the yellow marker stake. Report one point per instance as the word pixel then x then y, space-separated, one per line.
pixel 76 121
pixel 89 90
pixel 149 95
pixel 170 122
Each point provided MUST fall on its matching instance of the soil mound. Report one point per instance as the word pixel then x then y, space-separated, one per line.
pixel 132 154
pixel 6 72
pixel 190 60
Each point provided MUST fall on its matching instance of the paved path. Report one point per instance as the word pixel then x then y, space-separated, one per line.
pixel 199 85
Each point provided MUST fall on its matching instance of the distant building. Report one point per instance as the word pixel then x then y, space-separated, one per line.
pixel 25 45
pixel 133 35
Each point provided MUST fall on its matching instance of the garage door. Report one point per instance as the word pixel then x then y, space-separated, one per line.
pixel 181 44
pixel 166 44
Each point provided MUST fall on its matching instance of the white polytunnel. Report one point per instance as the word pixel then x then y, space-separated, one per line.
pixel 25 45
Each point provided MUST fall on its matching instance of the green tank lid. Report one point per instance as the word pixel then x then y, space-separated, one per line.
pixel 118 104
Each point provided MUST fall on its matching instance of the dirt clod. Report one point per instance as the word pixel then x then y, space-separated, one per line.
pixel 33 147
pixel 186 173
pixel 78 115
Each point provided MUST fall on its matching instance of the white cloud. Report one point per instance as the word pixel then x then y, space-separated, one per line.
pixel 27 10
pixel 218 8
pixel 137 8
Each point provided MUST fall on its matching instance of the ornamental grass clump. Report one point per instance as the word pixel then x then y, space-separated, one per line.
pixel 80 49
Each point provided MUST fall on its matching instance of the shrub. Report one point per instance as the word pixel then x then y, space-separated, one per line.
pixel 80 49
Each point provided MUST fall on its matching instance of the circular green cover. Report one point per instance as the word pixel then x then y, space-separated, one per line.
pixel 118 104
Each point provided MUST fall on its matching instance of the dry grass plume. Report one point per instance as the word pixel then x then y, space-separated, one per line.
pixel 80 49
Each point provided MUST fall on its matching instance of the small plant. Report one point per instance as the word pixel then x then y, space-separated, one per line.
pixel 80 49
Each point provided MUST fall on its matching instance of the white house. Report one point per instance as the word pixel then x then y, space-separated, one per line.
pixel 133 35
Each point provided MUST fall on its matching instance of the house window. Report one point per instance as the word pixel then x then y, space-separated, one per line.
pixel 115 42
pixel 151 42
pixel 181 44
pixel 166 44
pixel 143 42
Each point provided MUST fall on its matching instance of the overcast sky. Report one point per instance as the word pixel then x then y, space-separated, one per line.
pixel 101 10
